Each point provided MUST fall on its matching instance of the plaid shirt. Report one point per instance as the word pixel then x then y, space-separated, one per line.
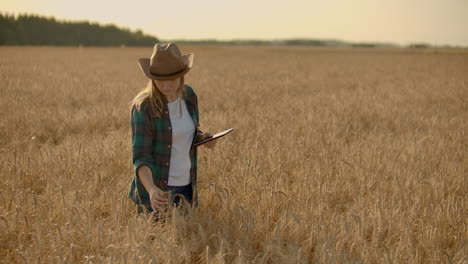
pixel 151 146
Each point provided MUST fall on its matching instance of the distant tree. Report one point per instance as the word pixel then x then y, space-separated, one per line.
pixel 36 30
pixel 311 42
pixel 419 46
pixel 364 45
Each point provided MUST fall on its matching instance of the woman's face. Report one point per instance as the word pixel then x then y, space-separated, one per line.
pixel 168 87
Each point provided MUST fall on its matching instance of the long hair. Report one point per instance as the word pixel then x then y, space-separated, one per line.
pixel 151 94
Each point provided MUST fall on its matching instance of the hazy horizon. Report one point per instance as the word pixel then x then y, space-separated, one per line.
pixel 399 22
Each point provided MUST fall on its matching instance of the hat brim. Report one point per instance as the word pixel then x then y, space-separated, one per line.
pixel 145 67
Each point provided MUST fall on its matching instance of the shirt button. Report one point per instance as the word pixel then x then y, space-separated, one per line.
pixel 167 163
pixel 169 127
pixel 165 112
pixel 168 146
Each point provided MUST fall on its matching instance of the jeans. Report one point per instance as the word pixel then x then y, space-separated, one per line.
pixel 177 193
pixel 175 197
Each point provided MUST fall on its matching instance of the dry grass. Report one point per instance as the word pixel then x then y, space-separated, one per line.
pixel 338 156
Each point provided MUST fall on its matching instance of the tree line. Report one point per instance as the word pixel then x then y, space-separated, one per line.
pixel 27 29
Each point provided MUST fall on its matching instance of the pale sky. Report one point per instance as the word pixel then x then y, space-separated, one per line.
pixel 436 22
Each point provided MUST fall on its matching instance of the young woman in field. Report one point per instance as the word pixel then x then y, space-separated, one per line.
pixel 165 126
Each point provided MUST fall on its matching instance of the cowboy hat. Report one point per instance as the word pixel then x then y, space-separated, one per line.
pixel 166 62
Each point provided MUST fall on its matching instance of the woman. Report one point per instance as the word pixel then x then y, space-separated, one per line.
pixel 165 126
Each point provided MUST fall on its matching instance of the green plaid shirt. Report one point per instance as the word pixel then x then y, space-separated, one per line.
pixel 151 146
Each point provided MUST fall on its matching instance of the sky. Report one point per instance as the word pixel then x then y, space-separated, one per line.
pixel 436 22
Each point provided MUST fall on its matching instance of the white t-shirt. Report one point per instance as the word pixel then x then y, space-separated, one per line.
pixel 183 130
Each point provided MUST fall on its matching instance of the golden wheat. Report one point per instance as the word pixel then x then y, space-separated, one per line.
pixel 338 156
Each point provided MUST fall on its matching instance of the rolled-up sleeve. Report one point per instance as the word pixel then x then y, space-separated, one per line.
pixel 142 139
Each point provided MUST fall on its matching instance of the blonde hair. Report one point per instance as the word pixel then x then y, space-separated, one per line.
pixel 153 97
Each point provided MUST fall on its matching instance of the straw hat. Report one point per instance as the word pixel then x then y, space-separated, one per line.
pixel 166 62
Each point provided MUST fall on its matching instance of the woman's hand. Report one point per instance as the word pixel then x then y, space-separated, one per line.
pixel 157 196
pixel 210 144
pixel 158 199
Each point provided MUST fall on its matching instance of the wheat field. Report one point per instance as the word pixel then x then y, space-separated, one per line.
pixel 337 156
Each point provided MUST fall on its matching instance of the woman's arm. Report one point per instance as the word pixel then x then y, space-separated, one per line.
pixel 157 196
pixel 142 147
pixel 200 134
pixel 142 138
pixel 145 175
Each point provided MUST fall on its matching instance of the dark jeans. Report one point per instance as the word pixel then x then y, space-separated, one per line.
pixel 176 195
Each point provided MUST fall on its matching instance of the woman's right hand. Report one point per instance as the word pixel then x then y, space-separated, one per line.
pixel 158 199
pixel 157 196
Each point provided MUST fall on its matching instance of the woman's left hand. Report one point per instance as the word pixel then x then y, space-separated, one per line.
pixel 210 144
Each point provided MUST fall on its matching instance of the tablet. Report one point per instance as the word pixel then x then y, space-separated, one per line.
pixel 215 136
